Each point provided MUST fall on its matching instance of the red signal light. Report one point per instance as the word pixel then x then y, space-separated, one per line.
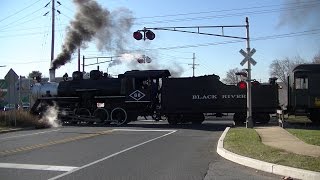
pixel 242 85
pixel 137 35
pixel 150 35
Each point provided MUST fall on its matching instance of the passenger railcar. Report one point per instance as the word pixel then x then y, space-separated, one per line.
pixel 304 91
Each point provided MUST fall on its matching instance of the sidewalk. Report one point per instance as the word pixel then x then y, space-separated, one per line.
pixel 279 138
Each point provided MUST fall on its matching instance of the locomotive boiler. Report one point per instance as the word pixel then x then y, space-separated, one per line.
pixel 102 99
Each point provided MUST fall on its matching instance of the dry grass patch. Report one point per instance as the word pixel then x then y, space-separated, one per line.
pixel 20 118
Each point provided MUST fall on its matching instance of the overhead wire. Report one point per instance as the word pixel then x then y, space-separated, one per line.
pixel 225 10
pixel 293 34
pixel 231 15
pixel 207 17
pixel 218 43
pixel 17 12
pixel 16 21
pixel 278 36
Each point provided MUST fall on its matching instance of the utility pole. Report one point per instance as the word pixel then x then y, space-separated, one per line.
pixel 193 64
pixel 249 123
pixel 52 30
pixel 79 59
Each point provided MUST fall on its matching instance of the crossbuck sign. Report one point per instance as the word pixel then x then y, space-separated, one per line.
pixel 248 57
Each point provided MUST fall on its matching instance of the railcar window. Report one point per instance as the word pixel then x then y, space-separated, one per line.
pixel 301 83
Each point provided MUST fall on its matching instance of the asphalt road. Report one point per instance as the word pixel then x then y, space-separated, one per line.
pixel 141 150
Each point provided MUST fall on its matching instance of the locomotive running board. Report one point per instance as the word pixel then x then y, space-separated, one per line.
pixel 53 98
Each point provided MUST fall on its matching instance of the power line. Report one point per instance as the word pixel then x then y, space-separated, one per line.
pixel 67 8
pixel 6 26
pixel 293 34
pixel 17 12
pixel 224 10
pixel 231 14
pixel 304 5
pixel 28 34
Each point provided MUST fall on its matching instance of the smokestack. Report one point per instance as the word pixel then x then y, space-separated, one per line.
pixel 52 75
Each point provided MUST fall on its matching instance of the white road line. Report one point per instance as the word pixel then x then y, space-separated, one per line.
pixel 23 135
pixel 145 130
pixel 110 156
pixel 37 167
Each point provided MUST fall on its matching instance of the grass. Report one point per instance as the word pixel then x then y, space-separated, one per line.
pixel 247 142
pixel 19 118
pixel 308 136
pixel 297 119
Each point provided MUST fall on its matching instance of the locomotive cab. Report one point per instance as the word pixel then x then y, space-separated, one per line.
pixel 143 90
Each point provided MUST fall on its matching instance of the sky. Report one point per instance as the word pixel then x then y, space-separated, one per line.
pixel 277 29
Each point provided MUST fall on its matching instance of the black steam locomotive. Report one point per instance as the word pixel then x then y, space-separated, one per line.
pixel 102 99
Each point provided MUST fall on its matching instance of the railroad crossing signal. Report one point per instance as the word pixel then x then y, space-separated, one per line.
pixel 248 57
pixel 147 34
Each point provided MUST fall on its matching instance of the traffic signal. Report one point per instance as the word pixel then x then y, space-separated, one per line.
pixel 242 85
pixel 150 35
pixel 137 35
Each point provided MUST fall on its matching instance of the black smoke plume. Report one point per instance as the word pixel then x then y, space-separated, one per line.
pixel 94 22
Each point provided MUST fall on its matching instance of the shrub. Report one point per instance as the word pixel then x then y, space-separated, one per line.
pixel 21 118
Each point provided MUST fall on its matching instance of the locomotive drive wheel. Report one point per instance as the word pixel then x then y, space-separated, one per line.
pixel 82 112
pixel 119 116
pixel 101 114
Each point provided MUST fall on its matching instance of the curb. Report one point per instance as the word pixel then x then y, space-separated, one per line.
pixel 10 130
pixel 264 166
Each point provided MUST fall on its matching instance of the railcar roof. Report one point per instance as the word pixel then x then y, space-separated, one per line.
pixel 147 73
pixel 307 67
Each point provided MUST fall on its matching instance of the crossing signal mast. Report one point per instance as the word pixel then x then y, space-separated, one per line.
pixel 146 33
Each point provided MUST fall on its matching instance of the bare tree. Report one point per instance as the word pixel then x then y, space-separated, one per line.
pixel 281 68
pixel 35 74
pixel 316 58
pixel 231 77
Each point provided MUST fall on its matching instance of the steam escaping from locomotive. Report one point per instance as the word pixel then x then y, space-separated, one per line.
pixel 94 22
pixel 50 116
pixel 139 61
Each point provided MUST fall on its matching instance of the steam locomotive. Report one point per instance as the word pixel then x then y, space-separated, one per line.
pixel 103 99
